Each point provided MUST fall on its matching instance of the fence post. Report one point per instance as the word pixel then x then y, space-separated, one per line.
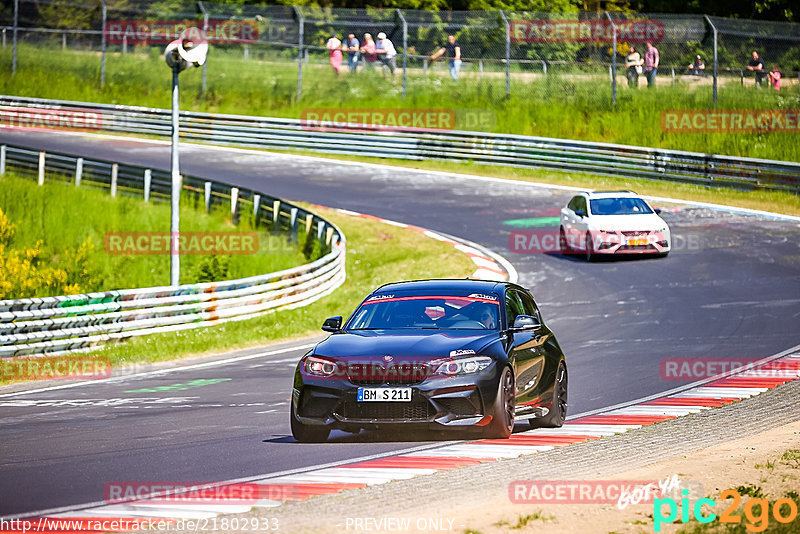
pixel 673 76
pixel 246 51
pixel 293 223
pixel 234 201
pixel 207 197
pixel 301 28
pixel 425 66
pixel 14 52
pixel 103 45
pixel 276 212
pixel 741 76
pixel 508 53
pixel 405 48
pixel 613 61
pixel 205 34
pixel 714 31
pixel 78 172
pixel 256 205
pixel 2 160
pixel 4 38
pixel 125 44
pixel 148 181
pixel 63 41
pixel 544 67
pixel 114 176
pixel 41 167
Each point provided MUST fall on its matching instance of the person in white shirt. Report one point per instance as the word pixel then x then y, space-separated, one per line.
pixel 386 52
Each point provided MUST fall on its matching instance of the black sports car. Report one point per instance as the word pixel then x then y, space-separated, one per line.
pixel 442 354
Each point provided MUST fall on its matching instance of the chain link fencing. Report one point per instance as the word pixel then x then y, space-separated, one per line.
pixel 580 56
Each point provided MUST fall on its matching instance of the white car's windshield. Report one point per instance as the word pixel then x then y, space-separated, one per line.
pixel 619 206
pixel 476 311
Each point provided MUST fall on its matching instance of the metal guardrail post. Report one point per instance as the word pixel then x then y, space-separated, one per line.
pixel 276 212
pixel 293 223
pixel 508 52
pixel 234 202
pixel 148 182
pixel 114 177
pixel 613 62
pixel 205 34
pixel 14 51
pixel 78 172
pixel 405 48
pixel 103 44
pixel 42 156
pixel 256 206
pixel 2 160
pixel 716 59
pixel 207 196
pixel 300 28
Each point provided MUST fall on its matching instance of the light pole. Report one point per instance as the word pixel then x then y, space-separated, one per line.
pixel 190 48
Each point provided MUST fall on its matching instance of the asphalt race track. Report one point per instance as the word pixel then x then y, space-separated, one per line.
pixel 731 289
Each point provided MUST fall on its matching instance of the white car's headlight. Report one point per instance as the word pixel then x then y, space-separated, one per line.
pixel 463 366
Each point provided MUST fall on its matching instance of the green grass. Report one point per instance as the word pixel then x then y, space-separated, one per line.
pixel 564 106
pixel 377 253
pixel 62 217
pixel 772 201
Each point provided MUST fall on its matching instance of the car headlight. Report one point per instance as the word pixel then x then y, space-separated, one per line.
pixel 319 367
pixel 464 366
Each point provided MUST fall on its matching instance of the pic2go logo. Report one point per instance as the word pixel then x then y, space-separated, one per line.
pixel 756 511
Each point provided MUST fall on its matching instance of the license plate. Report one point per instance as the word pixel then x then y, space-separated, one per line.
pixel 637 241
pixel 384 394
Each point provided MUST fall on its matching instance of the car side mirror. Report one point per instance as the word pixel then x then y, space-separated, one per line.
pixel 525 322
pixel 332 324
pixel 580 213
pixel 657 210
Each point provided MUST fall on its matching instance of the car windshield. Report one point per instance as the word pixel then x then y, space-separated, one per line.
pixel 619 206
pixel 474 311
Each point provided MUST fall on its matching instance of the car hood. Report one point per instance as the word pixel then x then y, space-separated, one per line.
pixel 426 344
pixel 648 221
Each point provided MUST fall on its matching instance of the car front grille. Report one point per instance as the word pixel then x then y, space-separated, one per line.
pixel 403 375
pixel 636 247
pixel 416 410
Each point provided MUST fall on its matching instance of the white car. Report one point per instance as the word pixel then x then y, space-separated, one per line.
pixel 612 222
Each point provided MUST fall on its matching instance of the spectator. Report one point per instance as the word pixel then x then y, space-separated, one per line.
pixel 756 64
pixel 351 47
pixel 775 78
pixel 633 64
pixel 370 57
pixel 334 46
pixel 453 50
pixel 386 52
pixel 697 68
pixel 651 64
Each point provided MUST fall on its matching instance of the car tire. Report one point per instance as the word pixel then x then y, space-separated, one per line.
pixel 307 433
pixel 590 255
pixel 558 411
pixel 502 424
pixel 566 250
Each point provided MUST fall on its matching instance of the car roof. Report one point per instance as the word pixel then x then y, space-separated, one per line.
pixel 611 194
pixel 445 285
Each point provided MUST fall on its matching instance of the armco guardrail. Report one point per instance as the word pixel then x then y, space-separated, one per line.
pixel 82 322
pixel 478 147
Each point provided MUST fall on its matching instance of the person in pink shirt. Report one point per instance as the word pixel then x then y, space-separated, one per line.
pixel 368 50
pixel 334 46
pixel 775 78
